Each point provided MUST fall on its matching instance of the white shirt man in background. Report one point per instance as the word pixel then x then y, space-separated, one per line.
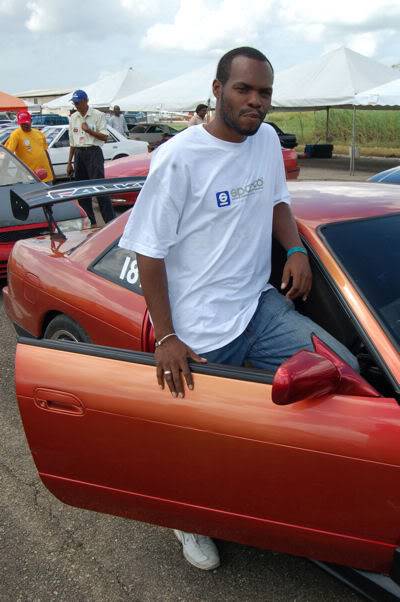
pixel 118 121
pixel 199 115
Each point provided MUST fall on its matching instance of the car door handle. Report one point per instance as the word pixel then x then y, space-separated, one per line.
pixel 59 401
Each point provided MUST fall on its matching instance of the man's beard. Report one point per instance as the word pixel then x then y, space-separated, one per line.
pixel 229 119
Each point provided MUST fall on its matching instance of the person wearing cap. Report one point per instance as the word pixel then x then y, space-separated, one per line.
pixel 30 145
pixel 87 134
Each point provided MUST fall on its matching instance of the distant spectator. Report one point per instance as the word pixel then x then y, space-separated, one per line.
pixel 30 145
pixel 199 115
pixel 87 134
pixel 118 122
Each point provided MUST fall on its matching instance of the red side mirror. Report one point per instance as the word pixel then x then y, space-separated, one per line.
pixel 306 375
pixel 41 173
pixel 309 375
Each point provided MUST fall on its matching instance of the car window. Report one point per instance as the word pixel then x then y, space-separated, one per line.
pixel 139 129
pixel 156 129
pixel 51 133
pixel 119 266
pixel 62 141
pixel 13 171
pixel 111 137
pixel 369 251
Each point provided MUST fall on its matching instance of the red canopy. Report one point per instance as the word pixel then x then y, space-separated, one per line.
pixel 11 103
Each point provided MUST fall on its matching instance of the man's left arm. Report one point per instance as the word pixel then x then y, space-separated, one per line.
pixel 297 269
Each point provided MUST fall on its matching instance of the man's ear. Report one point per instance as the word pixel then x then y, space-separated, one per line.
pixel 217 88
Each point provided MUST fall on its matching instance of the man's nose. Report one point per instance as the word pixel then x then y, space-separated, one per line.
pixel 255 99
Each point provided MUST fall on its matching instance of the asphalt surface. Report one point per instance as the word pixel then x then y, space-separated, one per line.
pixel 50 551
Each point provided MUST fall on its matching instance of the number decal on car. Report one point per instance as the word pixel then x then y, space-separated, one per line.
pixel 130 271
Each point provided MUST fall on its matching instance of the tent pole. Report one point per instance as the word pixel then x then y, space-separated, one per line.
pixel 353 144
pixel 327 125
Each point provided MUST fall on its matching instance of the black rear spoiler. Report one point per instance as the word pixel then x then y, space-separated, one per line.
pixel 22 202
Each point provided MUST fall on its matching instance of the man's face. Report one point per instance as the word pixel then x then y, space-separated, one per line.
pixel 81 106
pixel 26 127
pixel 246 97
pixel 117 110
pixel 202 113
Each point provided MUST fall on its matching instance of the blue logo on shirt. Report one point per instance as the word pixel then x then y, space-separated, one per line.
pixel 223 198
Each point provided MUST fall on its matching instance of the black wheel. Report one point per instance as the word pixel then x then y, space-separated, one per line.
pixel 119 157
pixel 63 328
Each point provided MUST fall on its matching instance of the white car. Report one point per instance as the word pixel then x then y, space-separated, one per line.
pixel 117 146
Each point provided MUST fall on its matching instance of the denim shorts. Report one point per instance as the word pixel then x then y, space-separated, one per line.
pixel 275 333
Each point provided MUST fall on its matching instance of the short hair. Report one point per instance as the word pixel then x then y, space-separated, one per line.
pixel 200 107
pixel 225 62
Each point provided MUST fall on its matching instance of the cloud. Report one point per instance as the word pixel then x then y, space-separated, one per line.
pixel 199 26
pixel 61 43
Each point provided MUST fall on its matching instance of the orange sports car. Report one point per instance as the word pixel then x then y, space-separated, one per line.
pixel 306 461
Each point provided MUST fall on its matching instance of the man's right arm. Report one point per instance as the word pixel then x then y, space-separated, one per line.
pixel 172 355
pixel 70 168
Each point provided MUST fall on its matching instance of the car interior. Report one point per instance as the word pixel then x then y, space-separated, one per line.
pixel 324 307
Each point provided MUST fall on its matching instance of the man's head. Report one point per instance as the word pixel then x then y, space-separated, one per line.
pixel 24 120
pixel 201 110
pixel 80 100
pixel 243 89
pixel 117 110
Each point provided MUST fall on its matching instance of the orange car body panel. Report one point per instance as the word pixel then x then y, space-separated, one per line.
pixel 277 476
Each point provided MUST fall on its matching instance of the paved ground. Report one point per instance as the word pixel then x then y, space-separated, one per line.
pixel 50 551
pixel 337 168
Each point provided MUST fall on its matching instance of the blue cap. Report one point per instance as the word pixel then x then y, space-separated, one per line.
pixel 79 95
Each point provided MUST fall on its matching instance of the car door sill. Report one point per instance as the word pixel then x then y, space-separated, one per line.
pixel 141 357
pixel 374 586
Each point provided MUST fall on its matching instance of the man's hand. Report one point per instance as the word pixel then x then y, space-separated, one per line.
pixel 70 170
pixel 85 127
pixel 172 360
pixel 297 268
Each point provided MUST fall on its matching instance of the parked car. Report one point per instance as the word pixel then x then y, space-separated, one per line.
pixel 151 132
pixel 389 176
pixel 14 173
pixel 139 165
pixel 315 477
pixel 287 140
pixel 57 136
pixel 49 119
pixel 132 118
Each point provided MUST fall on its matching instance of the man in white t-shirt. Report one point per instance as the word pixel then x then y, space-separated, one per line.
pixel 118 121
pixel 199 115
pixel 202 229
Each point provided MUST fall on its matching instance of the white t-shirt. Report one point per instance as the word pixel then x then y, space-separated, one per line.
pixel 206 208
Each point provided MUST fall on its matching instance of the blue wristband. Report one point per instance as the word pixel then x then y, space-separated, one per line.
pixel 296 250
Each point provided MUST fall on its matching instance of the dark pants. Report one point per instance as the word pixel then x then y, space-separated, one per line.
pixel 89 165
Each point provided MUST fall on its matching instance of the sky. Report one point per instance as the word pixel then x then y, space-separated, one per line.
pixel 54 43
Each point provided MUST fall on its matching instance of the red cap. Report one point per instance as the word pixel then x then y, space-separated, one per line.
pixel 24 117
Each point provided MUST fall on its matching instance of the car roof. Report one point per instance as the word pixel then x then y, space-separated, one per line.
pixel 317 203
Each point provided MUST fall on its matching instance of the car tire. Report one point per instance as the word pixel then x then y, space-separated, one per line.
pixel 119 157
pixel 63 328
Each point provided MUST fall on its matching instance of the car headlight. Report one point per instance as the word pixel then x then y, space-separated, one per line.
pixel 69 225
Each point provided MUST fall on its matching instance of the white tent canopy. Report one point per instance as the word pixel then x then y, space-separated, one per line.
pixel 387 95
pixel 104 92
pixel 333 79
pixel 182 93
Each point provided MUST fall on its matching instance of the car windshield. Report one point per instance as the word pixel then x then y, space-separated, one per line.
pixel 12 171
pixel 369 251
pixel 50 133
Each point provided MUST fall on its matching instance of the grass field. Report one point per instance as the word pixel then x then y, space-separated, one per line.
pixel 377 132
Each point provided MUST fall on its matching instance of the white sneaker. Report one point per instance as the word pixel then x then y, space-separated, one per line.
pixel 199 550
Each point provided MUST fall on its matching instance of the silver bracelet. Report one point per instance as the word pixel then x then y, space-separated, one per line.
pixel 161 341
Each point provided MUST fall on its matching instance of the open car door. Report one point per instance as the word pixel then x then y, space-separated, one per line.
pixel 318 478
